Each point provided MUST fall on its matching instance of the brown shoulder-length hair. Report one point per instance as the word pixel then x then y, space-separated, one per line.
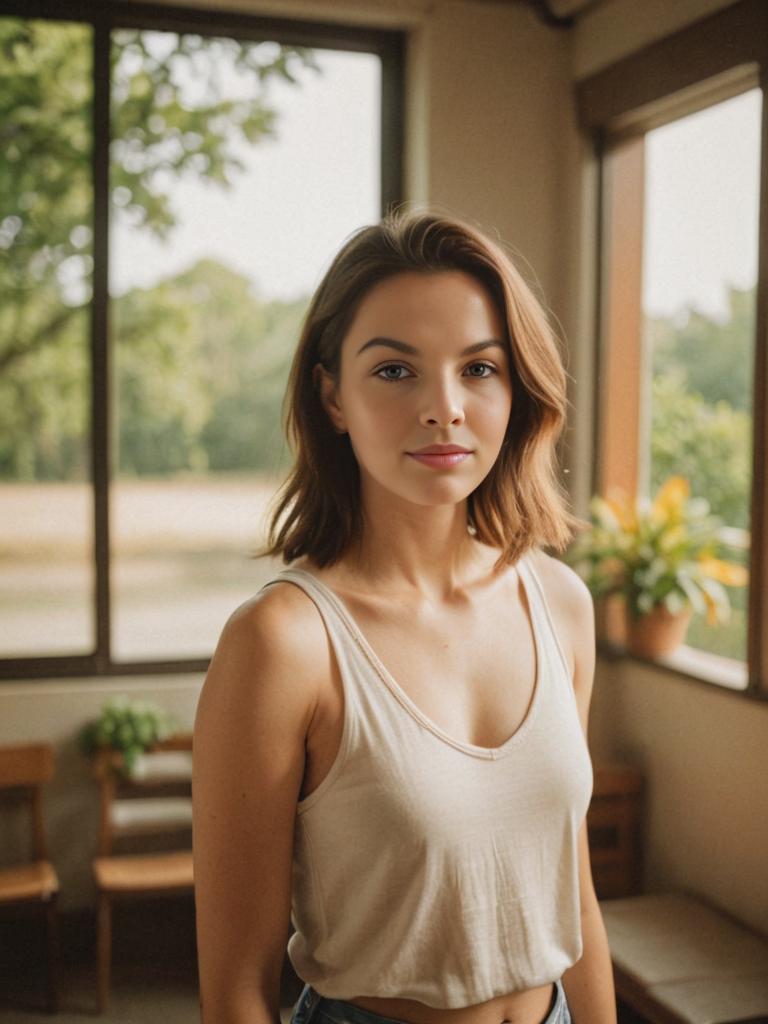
pixel 520 503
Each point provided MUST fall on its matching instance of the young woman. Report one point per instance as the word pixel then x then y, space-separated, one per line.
pixel 390 745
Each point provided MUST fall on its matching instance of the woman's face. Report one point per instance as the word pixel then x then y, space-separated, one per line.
pixel 423 364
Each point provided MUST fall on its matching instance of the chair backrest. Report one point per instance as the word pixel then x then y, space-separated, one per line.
pixel 614 824
pixel 24 768
pixel 154 800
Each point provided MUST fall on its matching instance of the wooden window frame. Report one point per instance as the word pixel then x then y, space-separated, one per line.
pixel 714 59
pixel 104 16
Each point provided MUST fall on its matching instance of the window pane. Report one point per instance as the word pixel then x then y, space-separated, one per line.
pixel 46 507
pixel 232 186
pixel 699 292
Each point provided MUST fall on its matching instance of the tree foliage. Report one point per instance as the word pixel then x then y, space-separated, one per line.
pixel 710 445
pixel 701 404
pixel 716 358
pixel 172 115
pixel 201 370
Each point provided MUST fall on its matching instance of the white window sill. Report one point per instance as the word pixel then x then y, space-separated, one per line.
pixel 711 667
pixel 690 662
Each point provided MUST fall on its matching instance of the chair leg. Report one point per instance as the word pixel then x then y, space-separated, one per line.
pixel 104 949
pixel 54 954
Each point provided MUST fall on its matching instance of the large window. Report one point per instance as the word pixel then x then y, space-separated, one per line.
pixel 172 191
pixel 682 321
pixel 46 265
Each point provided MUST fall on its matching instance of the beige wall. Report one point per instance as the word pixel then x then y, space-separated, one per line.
pixel 491 136
pixel 703 752
pixel 494 137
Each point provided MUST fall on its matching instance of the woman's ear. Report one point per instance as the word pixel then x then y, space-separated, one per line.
pixel 329 396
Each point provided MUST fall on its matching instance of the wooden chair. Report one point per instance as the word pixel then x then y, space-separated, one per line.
pixel 614 823
pixel 23 771
pixel 155 800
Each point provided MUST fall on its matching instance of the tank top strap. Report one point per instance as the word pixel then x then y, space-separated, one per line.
pixel 342 627
pixel 330 608
pixel 342 631
pixel 367 708
pixel 543 622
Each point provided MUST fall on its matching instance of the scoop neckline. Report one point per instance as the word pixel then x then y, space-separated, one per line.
pixel 489 753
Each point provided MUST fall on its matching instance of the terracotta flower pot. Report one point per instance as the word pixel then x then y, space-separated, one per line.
pixel 657 632
pixel 614 619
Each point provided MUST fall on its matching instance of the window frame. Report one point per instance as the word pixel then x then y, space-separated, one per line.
pixel 714 59
pixel 104 16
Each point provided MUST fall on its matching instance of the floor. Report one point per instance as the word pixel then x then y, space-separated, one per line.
pixel 154 974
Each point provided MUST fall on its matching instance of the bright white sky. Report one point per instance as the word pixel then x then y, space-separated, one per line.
pixel 702 189
pixel 305 192
pixel 302 194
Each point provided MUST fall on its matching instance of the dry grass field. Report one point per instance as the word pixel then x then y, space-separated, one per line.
pixel 182 561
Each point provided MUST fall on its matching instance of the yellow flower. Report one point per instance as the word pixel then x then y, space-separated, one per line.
pixel 729 573
pixel 672 537
pixel 619 503
pixel 712 610
pixel 670 500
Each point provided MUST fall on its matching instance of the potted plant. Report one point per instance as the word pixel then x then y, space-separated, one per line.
pixel 662 557
pixel 127 727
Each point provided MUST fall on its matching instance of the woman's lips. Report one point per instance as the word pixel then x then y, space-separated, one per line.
pixel 440 461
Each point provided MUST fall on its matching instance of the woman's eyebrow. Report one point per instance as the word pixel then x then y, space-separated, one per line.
pixel 403 346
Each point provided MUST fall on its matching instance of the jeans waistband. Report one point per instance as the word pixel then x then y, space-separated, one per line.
pixel 340 1012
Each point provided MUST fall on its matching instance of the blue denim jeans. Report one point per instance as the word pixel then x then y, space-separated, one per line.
pixel 311 1006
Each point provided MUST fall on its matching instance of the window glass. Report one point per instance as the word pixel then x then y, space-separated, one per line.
pixel 237 170
pixel 699 289
pixel 46 197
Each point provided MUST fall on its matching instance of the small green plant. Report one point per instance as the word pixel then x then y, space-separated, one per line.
pixel 129 727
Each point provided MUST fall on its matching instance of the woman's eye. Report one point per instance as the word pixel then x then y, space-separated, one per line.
pixel 396 371
pixel 482 367
pixel 384 371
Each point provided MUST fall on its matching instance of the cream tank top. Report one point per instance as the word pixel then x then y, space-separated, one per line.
pixel 431 869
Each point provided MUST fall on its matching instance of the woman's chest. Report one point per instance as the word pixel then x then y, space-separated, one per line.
pixel 471 672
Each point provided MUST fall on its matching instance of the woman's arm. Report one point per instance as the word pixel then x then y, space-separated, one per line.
pixel 249 745
pixel 588 984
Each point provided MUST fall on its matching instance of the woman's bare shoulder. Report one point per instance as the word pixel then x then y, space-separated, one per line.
pixel 562 584
pixel 280 622
pixel 272 659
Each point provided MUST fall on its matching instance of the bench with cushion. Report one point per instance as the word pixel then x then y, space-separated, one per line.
pixel 678 960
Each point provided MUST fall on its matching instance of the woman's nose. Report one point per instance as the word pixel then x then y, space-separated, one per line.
pixel 442 406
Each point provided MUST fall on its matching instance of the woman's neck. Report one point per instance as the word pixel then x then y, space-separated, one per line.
pixel 427 549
